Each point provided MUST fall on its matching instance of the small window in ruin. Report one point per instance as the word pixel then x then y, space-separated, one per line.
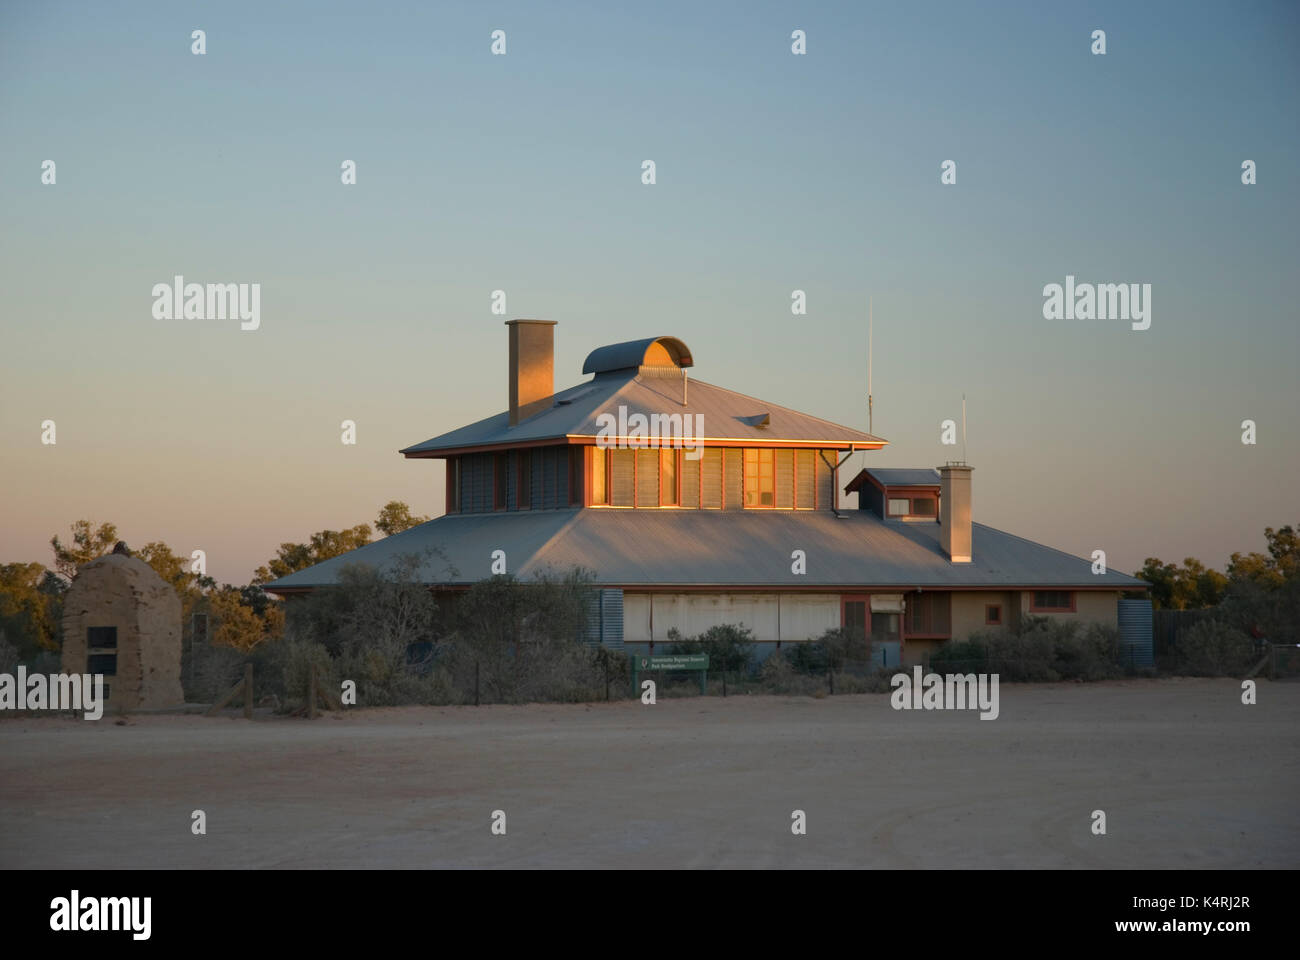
pixel 102 663
pixel 101 638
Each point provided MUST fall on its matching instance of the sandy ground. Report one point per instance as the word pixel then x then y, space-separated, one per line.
pixel 1187 776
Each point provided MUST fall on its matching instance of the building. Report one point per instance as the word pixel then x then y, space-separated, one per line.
pixel 122 620
pixel 695 505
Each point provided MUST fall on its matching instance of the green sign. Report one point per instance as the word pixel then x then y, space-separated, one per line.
pixel 677 661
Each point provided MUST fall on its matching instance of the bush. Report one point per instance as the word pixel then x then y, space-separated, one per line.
pixel 1043 650
pixel 8 656
pixel 1215 649
pixel 730 646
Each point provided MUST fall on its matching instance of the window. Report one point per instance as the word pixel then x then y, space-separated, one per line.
pixel 500 467
pixel 524 481
pixel 908 507
pixel 102 663
pixel 453 485
pixel 647 478
pixel 993 615
pixel 805 484
pixel 622 478
pixel 101 638
pixel 575 476
pixel 760 478
pixel 929 615
pixel 711 479
pixel 853 614
pixel 599 485
pixel 1052 601
pixel 668 478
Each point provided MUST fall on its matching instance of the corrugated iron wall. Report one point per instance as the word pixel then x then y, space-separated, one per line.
pixel 1135 634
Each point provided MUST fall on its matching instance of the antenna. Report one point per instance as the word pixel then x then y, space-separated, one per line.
pixel 963 428
pixel 871 429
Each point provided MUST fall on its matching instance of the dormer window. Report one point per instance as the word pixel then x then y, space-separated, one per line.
pixel 913 508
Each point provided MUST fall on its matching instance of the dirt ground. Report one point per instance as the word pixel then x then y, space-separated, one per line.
pixel 1187 776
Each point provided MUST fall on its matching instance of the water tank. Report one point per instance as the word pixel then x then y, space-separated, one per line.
pixel 1135 633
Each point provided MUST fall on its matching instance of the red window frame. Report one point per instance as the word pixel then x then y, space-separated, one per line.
pixel 992 614
pixel 863 598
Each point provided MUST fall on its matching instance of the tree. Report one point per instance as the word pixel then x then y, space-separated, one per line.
pixel 1189 587
pixel 88 543
pixel 292 557
pixel 238 625
pixel 1271 570
pixel 1263 593
pixel 175 571
pixel 30 607
pixel 396 517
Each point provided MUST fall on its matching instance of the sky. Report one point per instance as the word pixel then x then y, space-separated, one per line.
pixel 522 172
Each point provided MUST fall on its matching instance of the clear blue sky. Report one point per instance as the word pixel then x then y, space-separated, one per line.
pixel 522 172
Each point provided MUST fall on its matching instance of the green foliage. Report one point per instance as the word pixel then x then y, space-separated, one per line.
pixel 522 639
pixel 730 646
pixel 1215 649
pixel 365 624
pixel 31 607
pixel 1190 587
pixel 88 543
pixel 1044 649
pixel 324 545
pixel 395 516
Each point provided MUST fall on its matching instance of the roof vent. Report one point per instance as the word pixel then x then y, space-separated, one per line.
pixel 650 352
pixel 757 420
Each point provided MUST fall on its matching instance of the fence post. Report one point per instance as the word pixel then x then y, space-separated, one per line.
pixel 248 691
pixel 311 694
pixel 476 683
pixel 830 679
pixel 724 681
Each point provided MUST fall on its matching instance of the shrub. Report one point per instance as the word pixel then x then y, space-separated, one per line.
pixel 1215 649
pixel 8 655
pixel 1043 650
pixel 730 646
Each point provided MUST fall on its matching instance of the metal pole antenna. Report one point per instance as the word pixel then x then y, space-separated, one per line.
pixel 963 428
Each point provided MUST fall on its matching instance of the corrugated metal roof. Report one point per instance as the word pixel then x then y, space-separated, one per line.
pixel 574 411
pixel 736 549
pixel 631 353
pixel 904 477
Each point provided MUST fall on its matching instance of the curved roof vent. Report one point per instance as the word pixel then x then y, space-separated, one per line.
pixel 650 352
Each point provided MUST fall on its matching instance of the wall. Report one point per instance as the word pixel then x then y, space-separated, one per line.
pixel 1091 606
pixel 124 592
pixel 788 617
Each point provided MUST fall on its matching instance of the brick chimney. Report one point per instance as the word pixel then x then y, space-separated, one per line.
pixel 954 511
pixel 532 367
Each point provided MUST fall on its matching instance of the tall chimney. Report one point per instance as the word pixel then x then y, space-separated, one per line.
pixel 954 511
pixel 532 367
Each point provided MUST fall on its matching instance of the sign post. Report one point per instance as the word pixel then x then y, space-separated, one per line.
pixel 672 661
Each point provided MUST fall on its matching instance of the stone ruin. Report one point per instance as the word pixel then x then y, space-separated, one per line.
pixel 122 620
